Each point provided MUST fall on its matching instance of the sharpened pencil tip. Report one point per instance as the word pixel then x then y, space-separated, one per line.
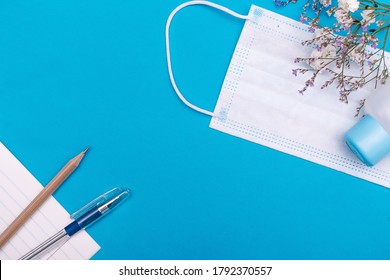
pixel 86 150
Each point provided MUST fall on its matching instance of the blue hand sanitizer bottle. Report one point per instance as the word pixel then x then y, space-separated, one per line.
pixel 369 139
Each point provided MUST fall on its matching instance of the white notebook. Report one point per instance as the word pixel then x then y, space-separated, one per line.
pixel 17 188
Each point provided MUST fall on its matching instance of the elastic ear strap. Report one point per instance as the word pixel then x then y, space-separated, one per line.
pixel 190 3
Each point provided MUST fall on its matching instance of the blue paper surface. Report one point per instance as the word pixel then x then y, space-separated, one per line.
pixel 93 73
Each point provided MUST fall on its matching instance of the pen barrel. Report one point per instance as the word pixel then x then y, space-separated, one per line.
pixel 89 217
pixel 45 246
pixel 83 221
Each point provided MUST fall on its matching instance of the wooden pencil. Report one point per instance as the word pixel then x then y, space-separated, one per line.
pixel 61 176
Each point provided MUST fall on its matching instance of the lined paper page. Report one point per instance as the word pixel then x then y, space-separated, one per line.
pixel 17 188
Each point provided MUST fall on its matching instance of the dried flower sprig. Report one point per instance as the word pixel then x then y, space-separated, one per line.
pixel 358 37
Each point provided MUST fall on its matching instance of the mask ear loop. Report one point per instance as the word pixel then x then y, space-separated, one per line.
pixel 190 3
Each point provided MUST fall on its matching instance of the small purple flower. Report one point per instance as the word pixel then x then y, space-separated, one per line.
pixel 361 40
pixel 311 29
pixel 295 72
pixel 343 48
pixel 309 83
pixel 278 3
pixel 302 19
pixel 319 48
pixel 364 28
pixel 374 45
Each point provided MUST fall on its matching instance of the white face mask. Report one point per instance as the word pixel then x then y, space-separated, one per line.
pixel 259 100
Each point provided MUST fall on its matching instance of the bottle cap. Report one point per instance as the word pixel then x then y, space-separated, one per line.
pixel 368 140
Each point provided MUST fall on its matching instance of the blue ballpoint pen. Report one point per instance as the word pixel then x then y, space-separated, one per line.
pixel 82 219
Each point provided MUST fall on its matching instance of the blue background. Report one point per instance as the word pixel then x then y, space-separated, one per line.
pixel 93 73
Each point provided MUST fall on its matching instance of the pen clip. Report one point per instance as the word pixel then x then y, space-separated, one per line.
pixel 99 201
